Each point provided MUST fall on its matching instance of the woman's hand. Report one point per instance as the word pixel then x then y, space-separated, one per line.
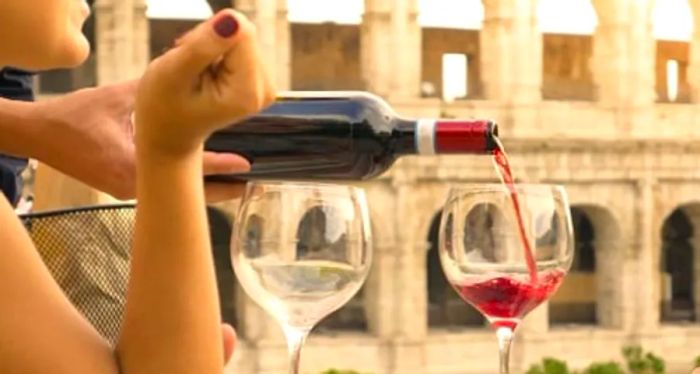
pixel 211 78
pixel 98 122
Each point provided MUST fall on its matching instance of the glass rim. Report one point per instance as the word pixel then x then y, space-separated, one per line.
pixel 288 184
pixel 498 187
pixel 461 191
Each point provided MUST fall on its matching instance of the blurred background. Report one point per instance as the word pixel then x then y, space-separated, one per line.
pixel 599 95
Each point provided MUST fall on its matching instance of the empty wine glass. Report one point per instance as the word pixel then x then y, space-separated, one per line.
pixel 502 269
pixel 301 251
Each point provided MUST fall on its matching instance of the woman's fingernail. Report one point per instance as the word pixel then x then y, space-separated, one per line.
pixel 226 26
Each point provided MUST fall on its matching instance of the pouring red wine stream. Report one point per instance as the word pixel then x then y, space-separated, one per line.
pixel 500 160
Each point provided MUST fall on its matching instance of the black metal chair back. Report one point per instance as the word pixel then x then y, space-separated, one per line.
pixel 87 250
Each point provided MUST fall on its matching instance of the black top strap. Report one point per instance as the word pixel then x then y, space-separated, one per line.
pixel 16 85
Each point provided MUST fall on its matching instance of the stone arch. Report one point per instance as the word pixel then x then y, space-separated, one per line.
pixel 445 308
pixel 679 262
pixel 311 241
pixel 584 237
pixel 596 265
pixel 312 237
pixel 479 223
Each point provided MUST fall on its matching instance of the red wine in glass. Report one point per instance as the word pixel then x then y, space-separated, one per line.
pixel 500 160
pixel 487 272
pixel 505 300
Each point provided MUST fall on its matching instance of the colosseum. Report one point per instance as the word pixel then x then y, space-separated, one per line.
pixel 610 114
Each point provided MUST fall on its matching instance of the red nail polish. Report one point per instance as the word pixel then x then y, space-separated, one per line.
pixel 226 26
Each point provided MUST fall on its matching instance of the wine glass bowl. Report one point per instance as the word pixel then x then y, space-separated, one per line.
pixel 502 260
pixel 301 251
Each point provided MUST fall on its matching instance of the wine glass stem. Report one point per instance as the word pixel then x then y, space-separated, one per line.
pixel 295 340
pixel 505 337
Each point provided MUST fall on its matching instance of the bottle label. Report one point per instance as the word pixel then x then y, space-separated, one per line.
pixel 425 136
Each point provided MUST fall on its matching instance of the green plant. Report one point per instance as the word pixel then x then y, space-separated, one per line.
pixel 697 362
pixel 535 369
pixel 549 366
pixel 639 362
pixel 604 368
pixel 336 371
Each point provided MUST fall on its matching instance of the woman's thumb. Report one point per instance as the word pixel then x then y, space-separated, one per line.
pixel 229 336
pixel 205 45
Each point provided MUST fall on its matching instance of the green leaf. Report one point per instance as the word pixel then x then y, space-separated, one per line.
pixel 554 366
pixel 535 369
pixel 604 368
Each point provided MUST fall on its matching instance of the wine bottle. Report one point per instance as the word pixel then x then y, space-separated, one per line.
pixel 341 135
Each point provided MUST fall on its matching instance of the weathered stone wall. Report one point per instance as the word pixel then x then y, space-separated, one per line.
pixel 566 72
pixel 326 57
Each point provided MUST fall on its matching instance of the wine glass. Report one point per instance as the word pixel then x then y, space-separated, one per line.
pixel 505 253
pixel 301 251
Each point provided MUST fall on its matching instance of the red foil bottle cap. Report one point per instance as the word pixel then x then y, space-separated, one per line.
pixel 465 136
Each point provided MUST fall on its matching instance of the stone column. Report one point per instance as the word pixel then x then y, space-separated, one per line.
pixel 270 19
pixel 283 68
pixel 381 284
pixel 407 352
pixel 529 334
pixel 695 241
pixel 390 48
pixel 379 290
pixel 259 331
pixel 410 320
pixel 511 52
pixel 694 62
pixel 123 42
pixel 536 322
pixel 624 56
pixel 141 38
pixel 615 275
pixel 645 261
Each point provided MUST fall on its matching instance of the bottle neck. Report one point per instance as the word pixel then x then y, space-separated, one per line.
pixel 430 137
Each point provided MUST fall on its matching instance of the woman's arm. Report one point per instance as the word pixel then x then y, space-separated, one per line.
pixel 19 128
pixel 172 321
